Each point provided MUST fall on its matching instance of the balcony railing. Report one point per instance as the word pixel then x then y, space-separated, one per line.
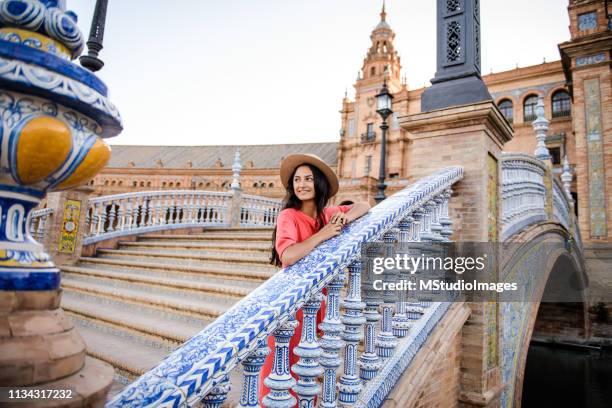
pixel 39 223
pixel 199 370
pixel 368 137
pixel 561 113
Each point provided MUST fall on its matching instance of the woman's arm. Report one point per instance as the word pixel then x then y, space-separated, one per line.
pixel 356 211
pixel 299 250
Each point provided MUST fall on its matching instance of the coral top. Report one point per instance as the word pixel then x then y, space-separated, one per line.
pixel 293 226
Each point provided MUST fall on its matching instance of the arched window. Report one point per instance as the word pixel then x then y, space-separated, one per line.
pixel 134 184
pixel 561 104
pixel 178 184
pixel 271 185
pixel 120 182
pixel 529 108
pixel 148 184
pixel 372 71
pixel 507 109
pixel 163 184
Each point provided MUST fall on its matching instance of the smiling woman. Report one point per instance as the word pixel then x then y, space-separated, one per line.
pixel 304 223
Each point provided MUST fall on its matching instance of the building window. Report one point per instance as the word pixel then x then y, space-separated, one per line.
pixel 561 104
pixel 555 155
pixel 394 121
pixel 529 108
pixel 351 127
pixel 587 21
pixel 507 109
pixel 370 135
pixel 368 166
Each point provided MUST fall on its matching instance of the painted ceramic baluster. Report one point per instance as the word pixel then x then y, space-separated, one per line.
pixel 436 227
pixel 401 323
pixel 252 367
pixel 386 341
pixel 331 343
pixel 309 351
pixel 353 320
pixel 369 362
pixel 217 396
pixel 111 217
pixel 280 380
pixel 445 220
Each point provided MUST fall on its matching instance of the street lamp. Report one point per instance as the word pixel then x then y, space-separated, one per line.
pixel 96 36
pixel 383 107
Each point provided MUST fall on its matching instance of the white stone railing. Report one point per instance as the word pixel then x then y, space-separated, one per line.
pixel 259 211
pixel 39 223
pixel 148 211
pixel 198 371
pixel 523 192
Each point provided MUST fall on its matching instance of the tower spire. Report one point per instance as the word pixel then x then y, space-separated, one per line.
pixel 383 13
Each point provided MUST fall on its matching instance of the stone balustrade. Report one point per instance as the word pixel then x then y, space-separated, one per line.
pixel 198 372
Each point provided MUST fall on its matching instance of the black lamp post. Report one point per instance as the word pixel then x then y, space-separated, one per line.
pixel 383 107
pixel 96 36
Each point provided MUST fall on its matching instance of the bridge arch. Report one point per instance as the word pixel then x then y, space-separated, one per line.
pixel 543 259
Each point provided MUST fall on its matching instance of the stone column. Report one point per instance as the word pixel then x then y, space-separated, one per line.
pixel 64 239
pixel 471 136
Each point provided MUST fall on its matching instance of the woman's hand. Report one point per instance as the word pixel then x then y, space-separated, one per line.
pixel 339 218
pixel 329 231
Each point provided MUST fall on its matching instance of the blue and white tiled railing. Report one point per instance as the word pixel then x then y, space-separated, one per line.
pixel 525 195
pixel 198 372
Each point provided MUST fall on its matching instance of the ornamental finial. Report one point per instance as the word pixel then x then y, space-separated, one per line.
pixel 540 126
pixel 383 13
pixel 236 167
pixel 566 178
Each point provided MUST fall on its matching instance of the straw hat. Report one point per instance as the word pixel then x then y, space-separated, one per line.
pixel 293 161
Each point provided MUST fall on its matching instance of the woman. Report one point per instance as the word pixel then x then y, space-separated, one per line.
pixel 304 223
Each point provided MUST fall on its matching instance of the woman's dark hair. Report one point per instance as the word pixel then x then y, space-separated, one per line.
pixel 322 191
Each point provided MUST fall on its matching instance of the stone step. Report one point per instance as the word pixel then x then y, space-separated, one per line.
pixel 216 299
pixel 187 258
pixel 240 253
pixel 167 326
pixel 239 273
pixel 210 237
pixel 198 287
pixel 200 308
pixel 131 355
pixel 237 247
pixel 248 285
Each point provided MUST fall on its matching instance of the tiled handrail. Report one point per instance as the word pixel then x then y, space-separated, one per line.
pixel 259 211
pixel 198 371
pixel 523 192
pixel 525 195
pixel 147 211
pixel 38 223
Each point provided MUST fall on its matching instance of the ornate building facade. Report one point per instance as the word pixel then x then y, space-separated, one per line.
pixel 577 96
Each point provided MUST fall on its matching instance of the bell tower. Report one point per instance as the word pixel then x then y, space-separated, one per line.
pixel 382 59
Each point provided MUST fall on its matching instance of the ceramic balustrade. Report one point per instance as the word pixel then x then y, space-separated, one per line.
pixel 523 192
pixel 193 373
pixel 147 211
pixel 259 211
pixel 39 223
pixel 524 196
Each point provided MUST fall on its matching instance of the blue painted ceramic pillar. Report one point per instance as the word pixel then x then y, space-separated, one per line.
pixel 54 116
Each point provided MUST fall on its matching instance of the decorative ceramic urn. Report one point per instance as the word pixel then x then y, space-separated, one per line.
pixel 54 115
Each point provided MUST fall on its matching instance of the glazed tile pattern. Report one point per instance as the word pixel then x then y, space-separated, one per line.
pixel 192 370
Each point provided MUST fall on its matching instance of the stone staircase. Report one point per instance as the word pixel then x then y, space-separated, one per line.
pixel 133 305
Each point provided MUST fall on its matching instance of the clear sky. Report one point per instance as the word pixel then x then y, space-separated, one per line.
pixel 197 72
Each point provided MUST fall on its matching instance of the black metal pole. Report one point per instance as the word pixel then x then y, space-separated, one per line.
pixel 380 195
pixel 96 37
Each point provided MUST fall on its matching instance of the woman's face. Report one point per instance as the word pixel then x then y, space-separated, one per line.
pixel 303 183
